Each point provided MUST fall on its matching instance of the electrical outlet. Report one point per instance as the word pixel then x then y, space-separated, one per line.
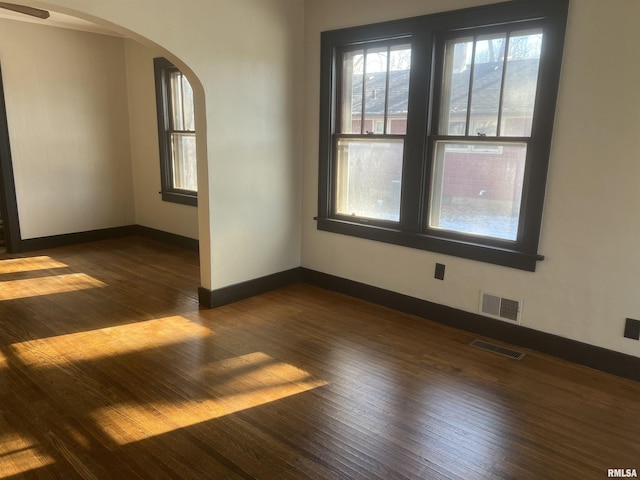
pixel 632 329
pixel 439 271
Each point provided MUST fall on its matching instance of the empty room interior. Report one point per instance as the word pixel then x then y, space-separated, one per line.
pixel 288 239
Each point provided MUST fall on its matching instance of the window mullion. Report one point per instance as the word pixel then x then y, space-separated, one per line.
pixel 416 161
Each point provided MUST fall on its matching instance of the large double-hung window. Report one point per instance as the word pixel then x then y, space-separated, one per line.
pixel 436 131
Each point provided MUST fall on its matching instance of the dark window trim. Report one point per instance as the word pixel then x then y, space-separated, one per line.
pixel 162 67
pixel 8 200
pixel 424 33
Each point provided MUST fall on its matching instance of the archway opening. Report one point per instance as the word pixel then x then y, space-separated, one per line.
pixel 93 108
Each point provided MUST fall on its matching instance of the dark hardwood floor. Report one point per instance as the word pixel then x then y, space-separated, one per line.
pixel 109 370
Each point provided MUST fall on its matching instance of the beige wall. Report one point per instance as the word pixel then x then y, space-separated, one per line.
pixel 82 120
pixel 68 122
pixel 245 58
pixel 588 283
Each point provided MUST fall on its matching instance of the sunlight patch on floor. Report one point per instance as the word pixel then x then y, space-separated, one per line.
pixel 35 287
pixel 108 342
pixel 262 380
pixel 31 264
pixel 18 455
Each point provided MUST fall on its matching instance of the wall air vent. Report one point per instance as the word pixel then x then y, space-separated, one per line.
pixel 500 307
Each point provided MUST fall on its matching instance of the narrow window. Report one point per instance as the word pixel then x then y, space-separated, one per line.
pixel 176 134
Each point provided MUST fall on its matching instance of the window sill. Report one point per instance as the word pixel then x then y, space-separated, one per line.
pixel 182 198
pixel 465 249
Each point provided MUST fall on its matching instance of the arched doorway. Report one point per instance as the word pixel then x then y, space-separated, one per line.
pixel 54 109
pixel 202 213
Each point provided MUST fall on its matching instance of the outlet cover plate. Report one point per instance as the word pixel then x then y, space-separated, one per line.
pixel 632 329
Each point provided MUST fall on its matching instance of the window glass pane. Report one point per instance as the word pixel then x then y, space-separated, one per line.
pixel 520 83
pixel 487 82
pixel 477 188
pixel 455 86
pixel 182 115
pixel 369 173
pixel 398 101
pixel 375 87
pixel 183 147
pixel 376 71
pixel 177 116
pixel 187 105
pixel 351 112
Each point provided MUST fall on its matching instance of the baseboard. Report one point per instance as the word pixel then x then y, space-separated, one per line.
pixel 250 288
pixel 166 237
pixel 609 361
pixel 65 240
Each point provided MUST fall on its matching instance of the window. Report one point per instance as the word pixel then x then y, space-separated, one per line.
pixel 176 134
pixel 435 131
pixel 372 123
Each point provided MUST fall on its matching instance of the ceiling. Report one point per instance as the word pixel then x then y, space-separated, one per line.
pixel 59 20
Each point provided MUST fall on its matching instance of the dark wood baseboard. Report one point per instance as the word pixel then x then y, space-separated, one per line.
pixel 599 358
pixel 166 237
pixel 67 239
pixel 55 241
pixel 240 291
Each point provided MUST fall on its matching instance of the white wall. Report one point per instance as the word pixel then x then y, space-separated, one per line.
pixel 588 283
pixel 67 111
pixel 150 210
pixel 246 56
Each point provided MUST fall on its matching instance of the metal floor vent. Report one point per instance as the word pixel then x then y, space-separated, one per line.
pixel 504 351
